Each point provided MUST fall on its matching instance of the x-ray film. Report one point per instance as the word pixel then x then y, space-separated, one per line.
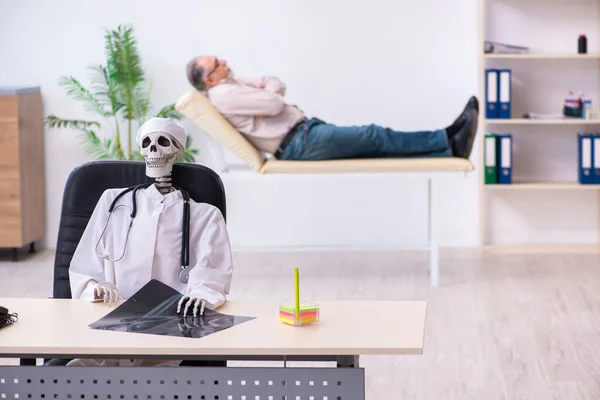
pixel 153 310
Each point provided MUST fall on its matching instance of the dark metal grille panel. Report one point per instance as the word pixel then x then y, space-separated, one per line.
pixel 181 383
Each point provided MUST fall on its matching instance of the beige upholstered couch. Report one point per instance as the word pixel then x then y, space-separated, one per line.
pixel 195 106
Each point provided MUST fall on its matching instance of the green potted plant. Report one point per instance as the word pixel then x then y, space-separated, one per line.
pixel 120 95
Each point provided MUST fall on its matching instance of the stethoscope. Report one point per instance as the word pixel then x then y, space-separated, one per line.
pixel 184 274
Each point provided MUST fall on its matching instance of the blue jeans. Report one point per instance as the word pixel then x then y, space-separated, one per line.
pixel 317 140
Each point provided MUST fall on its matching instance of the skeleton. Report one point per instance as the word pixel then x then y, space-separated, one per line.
pixel 160 151
pixel 102 259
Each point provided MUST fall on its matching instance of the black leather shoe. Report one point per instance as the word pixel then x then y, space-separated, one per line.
pixel 473 103
pixel 462 142
pixel 457 125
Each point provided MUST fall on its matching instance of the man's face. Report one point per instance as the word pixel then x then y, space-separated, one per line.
pixel 216 69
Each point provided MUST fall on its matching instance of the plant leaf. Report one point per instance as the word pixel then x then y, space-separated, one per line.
pixel 169 112
pixel 190 154
pixel 124 66
pixel 52 121
pixel 76 90
pixel 105 89
pixel 136 155
pixel 94 146
pixel 147 103
pixel 141 104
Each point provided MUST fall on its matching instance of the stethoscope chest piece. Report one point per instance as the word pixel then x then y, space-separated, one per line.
pixel 184 275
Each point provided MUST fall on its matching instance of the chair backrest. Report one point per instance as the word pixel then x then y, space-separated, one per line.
pixel 198 108
pixel 86 184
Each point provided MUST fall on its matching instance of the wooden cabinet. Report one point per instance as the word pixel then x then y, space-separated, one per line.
pixel 22 188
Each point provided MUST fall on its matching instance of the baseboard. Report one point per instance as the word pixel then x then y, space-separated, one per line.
pixel 285 249
pixel 551 248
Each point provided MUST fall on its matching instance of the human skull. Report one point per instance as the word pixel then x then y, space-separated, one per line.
pixel 160 151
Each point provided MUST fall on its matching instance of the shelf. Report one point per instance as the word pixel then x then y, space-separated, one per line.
pixel 550 248
pixel 560 69
pixel 525 121
pixel 543 56
pixel 542 185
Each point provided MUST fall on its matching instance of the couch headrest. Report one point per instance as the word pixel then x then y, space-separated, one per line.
pixel 197 107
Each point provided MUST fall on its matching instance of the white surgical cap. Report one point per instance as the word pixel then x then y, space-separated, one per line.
pixel 164 125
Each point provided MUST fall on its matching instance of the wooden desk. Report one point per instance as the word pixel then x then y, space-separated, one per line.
pixel 51 327
pixel 58 328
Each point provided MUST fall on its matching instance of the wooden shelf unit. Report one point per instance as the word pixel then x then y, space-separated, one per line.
pixel 489 125
pixel 22 187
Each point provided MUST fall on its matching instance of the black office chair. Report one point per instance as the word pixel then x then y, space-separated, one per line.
pixel 83 189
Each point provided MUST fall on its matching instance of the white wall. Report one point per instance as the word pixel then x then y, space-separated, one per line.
pixel 405 64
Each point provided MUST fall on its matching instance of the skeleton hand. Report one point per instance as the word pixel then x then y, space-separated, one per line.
pixel 106 291
pixel 188 302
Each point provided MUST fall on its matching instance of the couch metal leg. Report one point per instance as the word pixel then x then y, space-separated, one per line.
pixel 13 254
pixel 32 247
pixel 434 271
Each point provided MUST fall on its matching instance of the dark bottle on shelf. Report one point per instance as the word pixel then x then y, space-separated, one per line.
pixel 582 44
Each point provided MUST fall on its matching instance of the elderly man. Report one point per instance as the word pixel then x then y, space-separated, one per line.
pixel 257 109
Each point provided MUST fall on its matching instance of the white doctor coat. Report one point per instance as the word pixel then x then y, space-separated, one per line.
pixel 153 247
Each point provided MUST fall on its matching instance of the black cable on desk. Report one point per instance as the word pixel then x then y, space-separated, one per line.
pixel 6 318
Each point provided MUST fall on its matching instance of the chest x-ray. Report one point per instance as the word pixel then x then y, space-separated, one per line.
pixel 153 310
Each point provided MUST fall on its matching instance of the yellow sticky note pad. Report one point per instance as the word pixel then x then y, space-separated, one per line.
pixel 308 315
